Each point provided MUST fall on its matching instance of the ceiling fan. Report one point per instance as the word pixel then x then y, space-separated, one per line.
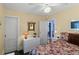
pixel 46 7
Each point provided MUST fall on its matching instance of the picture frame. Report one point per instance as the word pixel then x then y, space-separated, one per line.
pixel 31 26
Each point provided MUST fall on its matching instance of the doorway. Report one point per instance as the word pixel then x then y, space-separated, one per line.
pixel 51 31
pixel 47 31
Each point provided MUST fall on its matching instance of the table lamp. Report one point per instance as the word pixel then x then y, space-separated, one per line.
pixel 25 34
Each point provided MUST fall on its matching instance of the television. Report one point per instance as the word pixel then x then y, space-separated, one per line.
pixel 75 25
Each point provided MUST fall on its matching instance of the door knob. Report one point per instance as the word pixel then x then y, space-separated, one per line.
pixel 5 35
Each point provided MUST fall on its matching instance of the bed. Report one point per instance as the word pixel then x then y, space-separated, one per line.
pixel 59 47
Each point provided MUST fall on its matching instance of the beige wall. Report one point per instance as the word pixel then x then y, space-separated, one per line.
pixel 1 28
pixel 24 19
pixel 64 18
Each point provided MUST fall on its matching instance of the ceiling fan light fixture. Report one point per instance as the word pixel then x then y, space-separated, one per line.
pixel 47 9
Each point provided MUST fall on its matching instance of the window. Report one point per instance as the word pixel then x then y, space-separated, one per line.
pixel 75 25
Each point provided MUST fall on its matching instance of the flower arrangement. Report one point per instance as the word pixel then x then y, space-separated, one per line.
pixel 34 34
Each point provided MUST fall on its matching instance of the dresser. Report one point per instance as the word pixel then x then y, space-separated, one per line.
pixel 30 43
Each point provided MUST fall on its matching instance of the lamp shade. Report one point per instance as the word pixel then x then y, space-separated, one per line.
pixel 26 33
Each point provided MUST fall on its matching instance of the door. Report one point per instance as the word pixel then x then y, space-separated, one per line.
pixel 11 34
pixel 51 31
pixel 43 32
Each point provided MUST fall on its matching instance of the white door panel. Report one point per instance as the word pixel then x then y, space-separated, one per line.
pixel 11 33
pixel 43 32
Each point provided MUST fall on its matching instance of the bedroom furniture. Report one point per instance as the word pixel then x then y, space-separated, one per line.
pixel 30 43
pixel 58 47
pixel 71 37
pixel 67 45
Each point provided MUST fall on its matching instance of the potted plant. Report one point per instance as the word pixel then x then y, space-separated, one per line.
pixel 34 34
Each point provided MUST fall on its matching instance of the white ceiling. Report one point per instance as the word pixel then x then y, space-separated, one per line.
pixel 37 8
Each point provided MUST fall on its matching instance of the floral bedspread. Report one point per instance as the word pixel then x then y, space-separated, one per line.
pixel 59 47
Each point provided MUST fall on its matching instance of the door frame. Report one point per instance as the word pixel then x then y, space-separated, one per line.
pixel 17 44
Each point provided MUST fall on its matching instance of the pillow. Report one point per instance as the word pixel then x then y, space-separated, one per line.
pixel 64 36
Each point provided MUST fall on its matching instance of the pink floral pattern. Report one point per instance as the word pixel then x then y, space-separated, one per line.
pixel 59 47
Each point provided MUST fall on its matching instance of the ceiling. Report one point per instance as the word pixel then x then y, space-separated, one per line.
pixel 37 8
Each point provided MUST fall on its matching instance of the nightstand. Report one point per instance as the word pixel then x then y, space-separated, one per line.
pixel 30 43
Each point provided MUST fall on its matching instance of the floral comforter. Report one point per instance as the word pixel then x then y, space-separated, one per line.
pixel 59 47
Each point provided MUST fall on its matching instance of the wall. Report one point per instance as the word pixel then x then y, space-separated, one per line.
pixel 1 28
pixel 24 19
pixel 64 18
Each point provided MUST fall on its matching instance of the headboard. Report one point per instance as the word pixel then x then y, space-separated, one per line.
pixel 73 38
pixel 70 37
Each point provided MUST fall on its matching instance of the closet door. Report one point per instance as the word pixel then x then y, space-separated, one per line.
pixel 43 32
pixel 11 34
